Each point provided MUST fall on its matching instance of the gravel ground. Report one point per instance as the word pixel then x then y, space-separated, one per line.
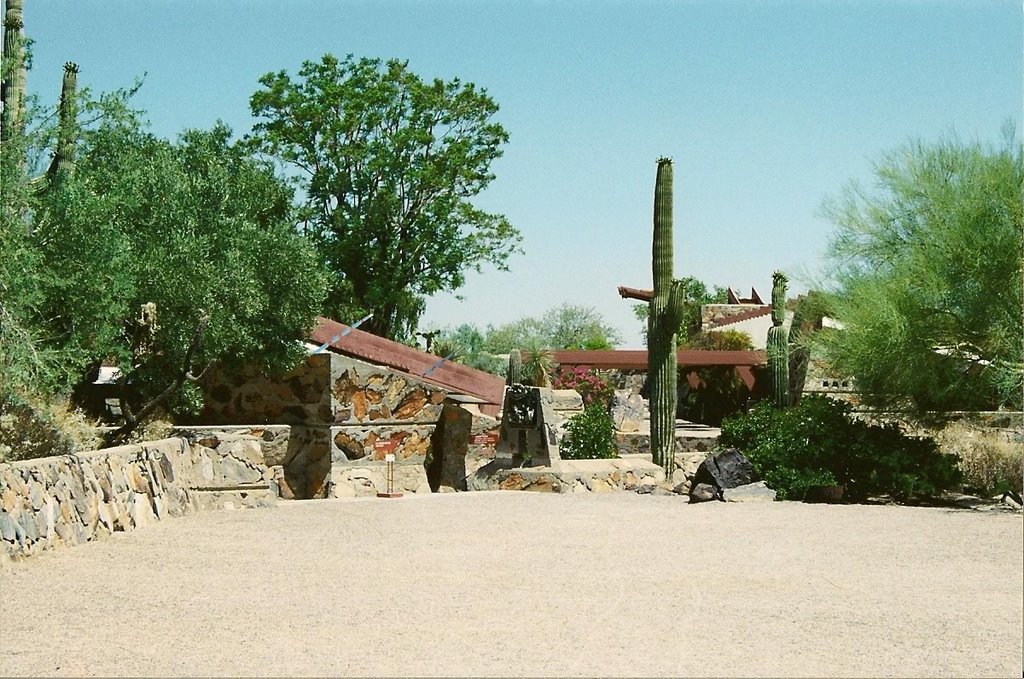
pixel 506 583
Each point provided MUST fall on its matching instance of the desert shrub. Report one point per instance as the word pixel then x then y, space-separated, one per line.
pixel 538 364
pixel 31 428
pixel 990 462
pixel 592 386
pixel 589 435
pixel 818 441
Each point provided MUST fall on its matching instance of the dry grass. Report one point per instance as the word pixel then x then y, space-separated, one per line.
pixel 990 459
pixel 32 428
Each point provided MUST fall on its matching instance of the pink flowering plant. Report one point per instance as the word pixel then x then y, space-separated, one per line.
pixel 592 386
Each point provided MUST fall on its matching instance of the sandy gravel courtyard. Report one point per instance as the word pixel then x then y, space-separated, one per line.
pixel 506 583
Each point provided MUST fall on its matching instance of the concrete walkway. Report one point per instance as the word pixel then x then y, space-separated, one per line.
pixel 505 583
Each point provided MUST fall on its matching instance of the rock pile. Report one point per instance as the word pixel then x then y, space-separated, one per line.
pixel 728 476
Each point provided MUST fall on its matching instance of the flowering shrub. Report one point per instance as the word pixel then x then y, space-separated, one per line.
pixel 589 383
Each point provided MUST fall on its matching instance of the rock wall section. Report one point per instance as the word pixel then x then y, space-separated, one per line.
pixel 72 499
pixel 345 416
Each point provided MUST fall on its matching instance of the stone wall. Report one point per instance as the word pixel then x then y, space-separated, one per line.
pixel 466 440
pixel 71 499
pixel 692 448
pixel 345 415
pixel 572 476
pixel 358 456
pixel 248 397
pixel 324 390
pixel 231 456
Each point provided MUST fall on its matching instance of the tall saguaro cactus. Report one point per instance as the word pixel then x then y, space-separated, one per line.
pixel 14 71
pixel 778 342
pixel 64 158
pixel 666 313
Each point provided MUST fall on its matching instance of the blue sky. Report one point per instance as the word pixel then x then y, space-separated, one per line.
pixel 766 107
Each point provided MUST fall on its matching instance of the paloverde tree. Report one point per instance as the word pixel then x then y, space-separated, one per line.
pixel 168 257
pixel 929 278
pixel 388 164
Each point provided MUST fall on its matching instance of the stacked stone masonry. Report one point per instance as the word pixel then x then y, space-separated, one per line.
pixel 73 499
pixel 346 416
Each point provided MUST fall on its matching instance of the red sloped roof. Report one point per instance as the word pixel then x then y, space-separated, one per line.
pixel 450 376
pixel 742 316
pixel 636 359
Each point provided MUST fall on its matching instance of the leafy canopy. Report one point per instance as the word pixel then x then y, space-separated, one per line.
pixel 387 164
pixel 564 327
pixel 196 229
pixel 929 267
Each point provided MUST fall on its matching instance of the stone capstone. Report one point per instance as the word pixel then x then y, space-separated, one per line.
pixel 751 492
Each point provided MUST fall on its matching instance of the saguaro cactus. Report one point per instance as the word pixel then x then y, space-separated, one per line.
pixel 64 158
pixel 14 71
pixel 666 312
pixel 778 342
pixel 515 368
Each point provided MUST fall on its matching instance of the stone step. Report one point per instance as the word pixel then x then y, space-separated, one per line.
pixel 234 498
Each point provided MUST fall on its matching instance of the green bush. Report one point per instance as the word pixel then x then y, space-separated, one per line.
pixel 589 435
pixel 819 442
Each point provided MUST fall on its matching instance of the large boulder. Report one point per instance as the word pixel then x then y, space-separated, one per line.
pixel 727 469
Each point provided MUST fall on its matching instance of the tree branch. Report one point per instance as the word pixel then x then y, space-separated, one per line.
pixel 185 374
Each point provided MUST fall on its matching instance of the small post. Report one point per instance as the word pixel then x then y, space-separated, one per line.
pixel 389 475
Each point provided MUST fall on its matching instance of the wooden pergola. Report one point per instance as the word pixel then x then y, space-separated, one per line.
pixel 743 362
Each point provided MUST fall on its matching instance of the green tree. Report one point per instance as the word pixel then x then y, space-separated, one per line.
pixel 697 294
pixel 166 258
pixel 387 165
pixel 466 343
pixel 564 327
pixel 575 327
pixel 515 335
pixel 929 267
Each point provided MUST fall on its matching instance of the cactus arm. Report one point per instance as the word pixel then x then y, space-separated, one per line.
pixel 676 307
pixel 778 298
